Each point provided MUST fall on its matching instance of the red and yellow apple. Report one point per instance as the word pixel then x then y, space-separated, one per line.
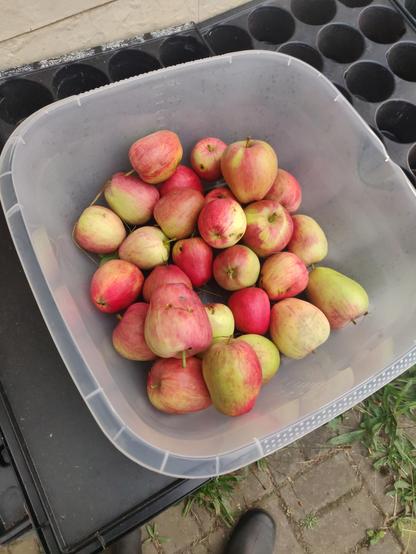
pixel 164 275
pixel 131 198
pixel 194 257
pixel 145 247
pixel 175 389
pixel 232 373
pixel 115 285
pixel 222 223
pixel 249 168
pixel 183 178
pixel 128 336
pixel 283 275
pixel 177 325
pixel 155 157
pixel 297 327
pixel 177 212
pixel 99 230
pixel 308 240
pixel 269 227
pixel 236 268
pixel 206 158
pixel 286 190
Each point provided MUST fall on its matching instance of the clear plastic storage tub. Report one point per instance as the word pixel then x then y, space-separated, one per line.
pixel 57 160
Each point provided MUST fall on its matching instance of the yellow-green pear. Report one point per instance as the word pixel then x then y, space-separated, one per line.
pixel 342 299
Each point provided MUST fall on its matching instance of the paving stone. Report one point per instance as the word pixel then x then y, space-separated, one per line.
pixel 28 544
pixel 408 535
pixel 253 486
pixel 339 530
pixel 387 545
pixel 181 531
pixel 205 519
pixel 376 483
pixel 198 549
pixel 322 484
pixel 286 540
pixel 148 548
pixel 315 444
pixel 217 540
pixel 286 462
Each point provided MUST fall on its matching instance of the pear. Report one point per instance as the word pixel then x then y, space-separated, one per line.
pixel 177 324
pixel 266 352
pixel 232 373
pixel 342 299
pixel 297 327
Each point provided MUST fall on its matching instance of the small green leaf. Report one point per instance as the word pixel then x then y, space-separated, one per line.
pixel 104 258
pixel 347 438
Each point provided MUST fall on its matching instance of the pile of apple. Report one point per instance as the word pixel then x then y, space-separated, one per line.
pixel 244 236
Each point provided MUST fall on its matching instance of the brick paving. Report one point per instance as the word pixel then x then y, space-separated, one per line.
pixel 324 500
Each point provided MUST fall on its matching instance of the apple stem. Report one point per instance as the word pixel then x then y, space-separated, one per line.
pixel 183 358
pixel 248 139
pixel 353 321
pixel 365 313
pixel 129 173
pixel 119 317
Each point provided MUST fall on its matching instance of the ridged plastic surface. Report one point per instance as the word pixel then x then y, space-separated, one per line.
pixel 54 163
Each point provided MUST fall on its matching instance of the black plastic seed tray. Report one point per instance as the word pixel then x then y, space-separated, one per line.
pixel 366 48
pixel 409 8
pixel 25 90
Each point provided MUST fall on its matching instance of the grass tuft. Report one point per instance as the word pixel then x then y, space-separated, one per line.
pixel 213 496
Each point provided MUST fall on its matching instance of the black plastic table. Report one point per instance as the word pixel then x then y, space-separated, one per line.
pixel 81 493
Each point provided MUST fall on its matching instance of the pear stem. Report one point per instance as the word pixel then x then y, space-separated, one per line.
pixel 183 358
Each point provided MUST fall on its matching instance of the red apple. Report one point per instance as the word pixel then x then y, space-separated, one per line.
pixel 177 325
pixel 308 240
pixel 233 376
pixel 206 158
pixel 145 247
pixel 131 198
pixel 164 275
pixel 99 230
pixel 219 192
pixel 283 275
pixel 222 223
pixel 236 268
pixel 251 310
pixel 269 227
pixel 174 389
pixel 194 257
pixel 286 190
pixel 183 178
pixel 128 336
pixel 177 212
pixel 115 285
pixel 155 157
pixel 249 168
